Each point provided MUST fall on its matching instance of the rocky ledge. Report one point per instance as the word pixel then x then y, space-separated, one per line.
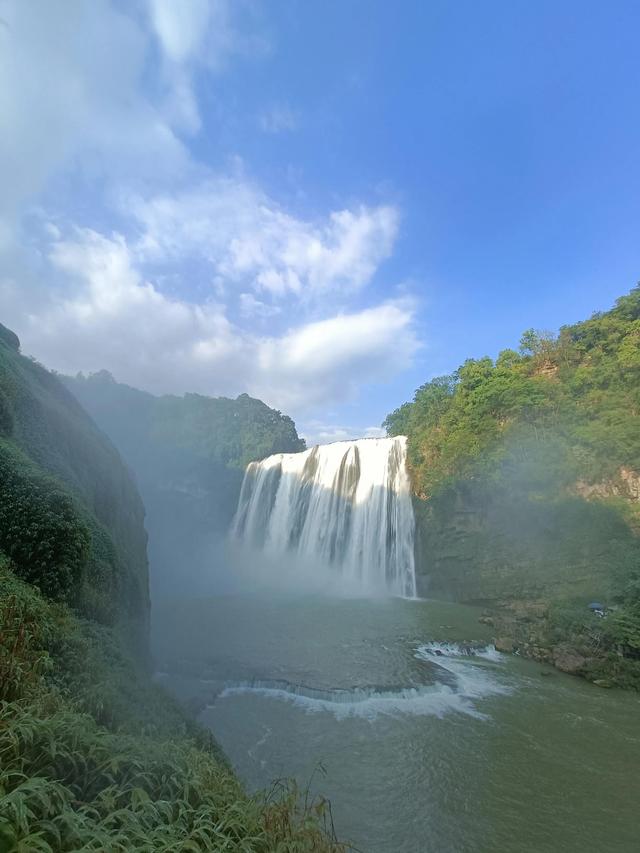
pixel 528 628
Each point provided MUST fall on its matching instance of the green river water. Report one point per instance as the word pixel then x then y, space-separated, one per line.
pixel 426 747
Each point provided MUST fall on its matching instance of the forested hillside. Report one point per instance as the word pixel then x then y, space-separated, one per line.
pixel 526 472
pixel 94 756
pixel 71 519
pixel 188 454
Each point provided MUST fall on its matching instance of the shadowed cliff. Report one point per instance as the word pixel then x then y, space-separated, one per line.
pixel 71 518
pixel 188 455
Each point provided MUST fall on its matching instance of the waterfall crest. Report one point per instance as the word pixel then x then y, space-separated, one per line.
pixel 345 505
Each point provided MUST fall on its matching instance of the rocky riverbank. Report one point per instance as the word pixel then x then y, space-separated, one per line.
pixel 574 640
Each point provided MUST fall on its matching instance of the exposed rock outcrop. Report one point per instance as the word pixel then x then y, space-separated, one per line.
pixel 568 660
pixel 625 485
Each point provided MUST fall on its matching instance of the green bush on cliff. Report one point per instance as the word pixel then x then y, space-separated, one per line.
pixel 6 415
pixel 578 392
pixel 70 514
pixel 219 430
pixel 93 754
pixel 41 529
pixel 53 542
pixel 26 628
pixel 527 468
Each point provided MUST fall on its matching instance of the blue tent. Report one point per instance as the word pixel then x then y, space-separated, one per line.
pixel 595 605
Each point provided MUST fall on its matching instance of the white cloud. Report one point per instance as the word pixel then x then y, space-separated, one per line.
pixel 193 34
pixel 329 359
pixel 182 27
pixel 108 315
pixel 70 86
pixel 252 307
pixel 100 100
pixel 248 238
pixel 204 32
pixel 318 432
pixel 74 90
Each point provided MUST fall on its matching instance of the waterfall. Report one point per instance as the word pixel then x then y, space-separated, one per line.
pixel 345 506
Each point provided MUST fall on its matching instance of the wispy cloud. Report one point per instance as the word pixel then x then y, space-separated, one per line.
pixel 247 237
pixel 151 264
pixel 70 88
pixel 105 313
pixel 195 35
pixel 278 118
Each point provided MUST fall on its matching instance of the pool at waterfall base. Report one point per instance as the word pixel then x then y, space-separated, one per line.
pixel 427 738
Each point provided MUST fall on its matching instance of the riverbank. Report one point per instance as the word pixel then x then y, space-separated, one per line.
pixel 93 755
pixel 401 712
pixel 525 471
pixel 568 636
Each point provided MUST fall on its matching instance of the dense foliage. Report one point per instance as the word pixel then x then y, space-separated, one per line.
pixel 216 429
pixel 527 471
pixel 9 338
pixel 574 400
pixel 70 515
pixel 40 527
pixel 188 454
pixel 93 757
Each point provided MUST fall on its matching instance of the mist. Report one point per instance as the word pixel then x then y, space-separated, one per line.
pixel 319 426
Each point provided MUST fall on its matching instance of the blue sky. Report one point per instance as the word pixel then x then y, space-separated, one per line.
pixel 324 204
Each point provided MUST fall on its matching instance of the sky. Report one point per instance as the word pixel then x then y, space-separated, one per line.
pixel 322 203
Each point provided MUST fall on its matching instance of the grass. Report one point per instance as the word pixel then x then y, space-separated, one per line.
pixel 93 756
pixel 69 784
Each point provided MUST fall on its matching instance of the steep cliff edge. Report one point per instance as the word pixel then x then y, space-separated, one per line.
pixel 71 518
pixel 188 454
pixel 526 471
pixel 93 755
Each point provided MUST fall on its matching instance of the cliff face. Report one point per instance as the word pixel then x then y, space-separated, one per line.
pixel 188 455
pixel 93 752
pixel 525 472
pixel 624 484
pixel 479 542
pixel 69 507
pixel 536 564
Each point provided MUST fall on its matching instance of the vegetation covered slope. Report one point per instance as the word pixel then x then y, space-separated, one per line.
pixel 526 472
pixel 189 455
pixel 217 429
pixel 93 755
pixel 71 519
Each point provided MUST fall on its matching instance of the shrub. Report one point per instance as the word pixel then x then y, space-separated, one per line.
pixel 25 631
pixel 6 415
pixel 93 756
pixel 41 528
pixel 66 784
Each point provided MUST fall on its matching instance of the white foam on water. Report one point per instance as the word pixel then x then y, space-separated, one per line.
pixel 432 651
pixel 472 682
pixel 476 671
pixel 436 701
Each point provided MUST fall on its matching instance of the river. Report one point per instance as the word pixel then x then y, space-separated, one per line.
pixel 423 743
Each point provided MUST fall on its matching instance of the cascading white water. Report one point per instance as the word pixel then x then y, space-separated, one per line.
pixel 346 506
